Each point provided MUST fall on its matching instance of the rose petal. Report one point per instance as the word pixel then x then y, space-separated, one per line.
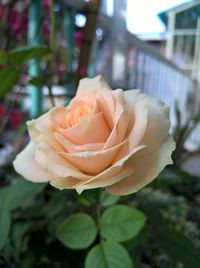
pixel 36 126
pixel 57 117
pixel 105 178
pixel 138 106
pixel 103 181
pixel 93 162
pixel 158 124
pixel 72 148
pixel 90 129
pixel 25 165
pixel 147 167
pixel 96 83
pixel 64 183
pixel 39 127
pixel 49 160
pixel 119 130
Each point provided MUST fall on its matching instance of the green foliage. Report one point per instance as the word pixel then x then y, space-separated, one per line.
pixel 19 193
pixel 5 223
pixel 88 198
pixel 12 197
pixel 56 204
pixel 120 223
pixel 37 81
pixel 18 232
pixel 108 255
pixel 12 62
pixel 3 57
pixel 9 76
pixel 21 55
pixel 107 199
pixel 62 229
pixel 78 231
pixel 179 247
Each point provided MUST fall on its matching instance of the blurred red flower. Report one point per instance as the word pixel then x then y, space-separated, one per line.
pixel 45 28
pixel 18 22
pixel 3 111
pixel 16 117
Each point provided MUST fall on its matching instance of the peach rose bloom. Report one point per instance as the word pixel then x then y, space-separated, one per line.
pixel 103 138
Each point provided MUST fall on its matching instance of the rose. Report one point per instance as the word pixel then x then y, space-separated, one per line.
pixel 103 138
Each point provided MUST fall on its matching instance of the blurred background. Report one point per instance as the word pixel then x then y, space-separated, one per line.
pixel 46 47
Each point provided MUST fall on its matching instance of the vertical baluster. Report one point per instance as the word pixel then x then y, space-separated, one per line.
pixel 34 38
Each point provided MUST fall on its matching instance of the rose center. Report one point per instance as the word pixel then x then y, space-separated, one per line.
pixel 74 116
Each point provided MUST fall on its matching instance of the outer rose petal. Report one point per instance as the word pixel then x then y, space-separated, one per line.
pixel 36 126
pixel 147 167
pixel 158 124
pixel 110 175
pixel 64 183
pixel 138 106
pixel 36 129
pixel 49 160
pixel 116 173
pixel 26 165
pixel 93 162
pixel 96 83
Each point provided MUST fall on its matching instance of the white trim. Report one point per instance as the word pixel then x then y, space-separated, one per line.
pixel 186 32
pixel 184 7
pixel 170 35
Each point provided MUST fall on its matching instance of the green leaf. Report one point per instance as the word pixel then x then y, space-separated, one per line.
pixel 5 222
pixel 107 199
pixel 56 203
pixel 108 255
pixel 78 231
pixel 88 198
pixel 19 230
pixel 3 57
pixel 22 54
pixel 54 223
pixel 173 176
pixel 19 193
pixel 178 247
pixel 63 55
pixel 37 81
pixel 121 223
pixel 8 78
pixel 133 244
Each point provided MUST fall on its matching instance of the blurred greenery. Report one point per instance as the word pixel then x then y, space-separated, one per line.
pixel 44 227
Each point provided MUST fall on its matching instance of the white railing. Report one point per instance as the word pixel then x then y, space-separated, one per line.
pixel 150 71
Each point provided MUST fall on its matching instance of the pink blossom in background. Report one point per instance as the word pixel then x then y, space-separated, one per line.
pixel 46 5
pixel 16 117
pixel 82 71
pixel 78 37
pixel 45 28
pixel 3 111
pixel 18 23
pixel 2 13
pixel 15 20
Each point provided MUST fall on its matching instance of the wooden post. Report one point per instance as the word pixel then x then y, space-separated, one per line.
pixel 69 26
pixel 34 38
pixel 92 8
